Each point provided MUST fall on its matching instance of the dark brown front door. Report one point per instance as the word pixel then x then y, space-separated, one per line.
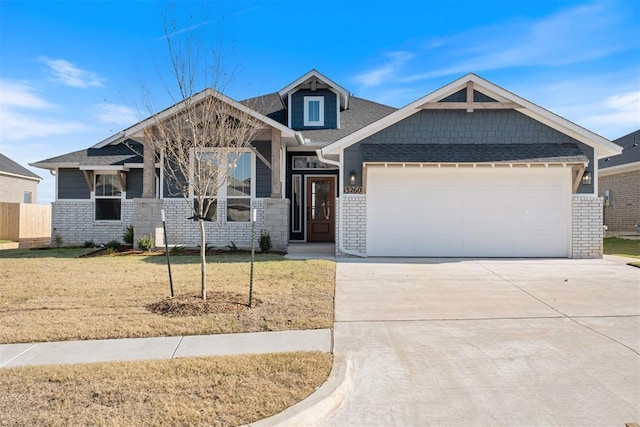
pixel 321 195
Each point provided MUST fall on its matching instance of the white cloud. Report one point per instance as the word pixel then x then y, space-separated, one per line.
pixel 116 114
pixel 21 95
pixel 68 74
pixel 620 114
pixel 20 126
pixel 570 36
pixel 395 61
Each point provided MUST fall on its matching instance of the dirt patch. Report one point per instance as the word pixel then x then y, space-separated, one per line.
pixel 218 302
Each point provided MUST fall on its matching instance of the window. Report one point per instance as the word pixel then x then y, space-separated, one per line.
pixel 27 198
pixel 314 111
pixel 239 188
pixel 108 193
pixel 307 162
pixel 237 192
pixel 296 203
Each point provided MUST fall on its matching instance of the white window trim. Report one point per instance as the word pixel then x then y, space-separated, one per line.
pixel 122 197
pixel 307 100
pixel 222 191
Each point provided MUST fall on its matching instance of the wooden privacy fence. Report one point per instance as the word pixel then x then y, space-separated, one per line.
pixel 29 225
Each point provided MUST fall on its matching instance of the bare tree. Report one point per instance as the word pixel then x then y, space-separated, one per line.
pixel 202 136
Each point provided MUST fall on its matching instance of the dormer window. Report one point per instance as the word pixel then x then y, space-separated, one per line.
pixel 314 111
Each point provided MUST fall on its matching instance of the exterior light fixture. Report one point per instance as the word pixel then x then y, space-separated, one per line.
pixel 587 178
pixel 352 178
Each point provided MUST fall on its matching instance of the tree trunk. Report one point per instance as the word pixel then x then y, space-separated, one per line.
pixel 203 261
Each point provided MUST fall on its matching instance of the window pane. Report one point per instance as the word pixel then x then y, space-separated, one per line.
pixel 314 111
pixel 296 203
pixel 107 186
pixel 108 209
pixel 206 172
pixel 239 182
pixel 27 197
pixel 239 210
pixel 212 210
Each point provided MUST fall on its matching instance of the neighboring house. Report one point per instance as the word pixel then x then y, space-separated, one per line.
pixel 619 185
pixel 17 184
pixel 468 170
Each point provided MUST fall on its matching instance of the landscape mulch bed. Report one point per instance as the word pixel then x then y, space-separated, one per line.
pixel 217 302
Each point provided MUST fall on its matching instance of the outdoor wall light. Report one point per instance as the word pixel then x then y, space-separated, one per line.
pixel 586 178
pixel 352 178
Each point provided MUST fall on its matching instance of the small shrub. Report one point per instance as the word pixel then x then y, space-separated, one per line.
pixel 113 244
pixel 232 247
pixel 57 240
pixel 146 243
pixel 177 250
pixel 265 242
pixel 110 251
pixel 89 244
pixel 127 237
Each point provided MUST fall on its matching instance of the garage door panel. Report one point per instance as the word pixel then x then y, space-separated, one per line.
pixel 468 212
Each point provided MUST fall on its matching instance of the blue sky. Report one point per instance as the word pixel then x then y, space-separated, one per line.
pixel 72 72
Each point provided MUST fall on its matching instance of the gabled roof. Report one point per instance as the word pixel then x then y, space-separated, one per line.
pixel 602 146
pixel 311 80
pixel 630 152
pixel 9 167
pixel 361 113
pixel 118 155
pixel 135 130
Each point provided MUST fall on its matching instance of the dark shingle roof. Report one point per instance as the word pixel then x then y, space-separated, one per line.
pixel 111 155
pixel 630 151
pixel 360 113
pixel 9 166
pixel 473 153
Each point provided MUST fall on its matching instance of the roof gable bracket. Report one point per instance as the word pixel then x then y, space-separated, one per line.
pixel 88 177
pixel 470 105
pixel 260 156
pixel 578 171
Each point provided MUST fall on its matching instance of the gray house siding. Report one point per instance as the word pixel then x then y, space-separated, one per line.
pixel 460 127
pixel 263 172
pixel 297 109
pixel 72 185
pixel 134 184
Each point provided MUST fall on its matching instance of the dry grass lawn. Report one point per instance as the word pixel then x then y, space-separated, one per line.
pixel 49 295
pixel 196 391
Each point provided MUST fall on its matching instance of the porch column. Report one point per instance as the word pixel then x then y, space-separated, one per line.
pixel 149 171
pixel 276 142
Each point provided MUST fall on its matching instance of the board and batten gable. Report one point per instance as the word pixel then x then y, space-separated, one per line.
pixel 330 109
pixel 72 185
pixel 460 127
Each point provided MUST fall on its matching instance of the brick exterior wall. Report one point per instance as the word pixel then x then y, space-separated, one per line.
pixel 624 212
pixel 354 216
pixel 12 189
pixel 587 231
pixel 73 221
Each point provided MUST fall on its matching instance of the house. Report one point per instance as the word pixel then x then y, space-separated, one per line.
pixel 17 183
pixel 619 185
pixel 467 170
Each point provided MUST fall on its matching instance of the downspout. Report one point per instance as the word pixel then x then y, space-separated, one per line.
pixel 341 247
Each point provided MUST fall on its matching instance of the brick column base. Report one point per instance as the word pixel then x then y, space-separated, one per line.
pixel 276 222
pixel 147 219
pixel 587 230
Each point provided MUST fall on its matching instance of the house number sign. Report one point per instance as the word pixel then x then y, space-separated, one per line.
pixel 352 190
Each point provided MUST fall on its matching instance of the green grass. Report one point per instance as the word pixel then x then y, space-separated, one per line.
pixel 40 253
pixel 622 247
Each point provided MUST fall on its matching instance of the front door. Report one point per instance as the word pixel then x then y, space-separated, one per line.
pixel 321 195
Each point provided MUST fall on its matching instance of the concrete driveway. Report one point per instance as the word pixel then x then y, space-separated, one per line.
pixel 488 342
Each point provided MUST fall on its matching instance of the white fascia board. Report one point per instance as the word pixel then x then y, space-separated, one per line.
pixel 53 166
pixel 343 93
pixel 103 168
pixel 603 146
pixel 613 170
pixel 175 109
pixel 15 175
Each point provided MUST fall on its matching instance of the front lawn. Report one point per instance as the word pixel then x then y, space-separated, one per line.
pixel 49 295
pixel 622 247
pixel 195 391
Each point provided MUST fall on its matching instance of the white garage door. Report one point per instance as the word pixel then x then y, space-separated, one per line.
pixel 468 212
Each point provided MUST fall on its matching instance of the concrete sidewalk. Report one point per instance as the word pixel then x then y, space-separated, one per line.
pixel 69 352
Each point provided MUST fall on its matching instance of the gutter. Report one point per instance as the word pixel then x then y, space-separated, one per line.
pixel 341 247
